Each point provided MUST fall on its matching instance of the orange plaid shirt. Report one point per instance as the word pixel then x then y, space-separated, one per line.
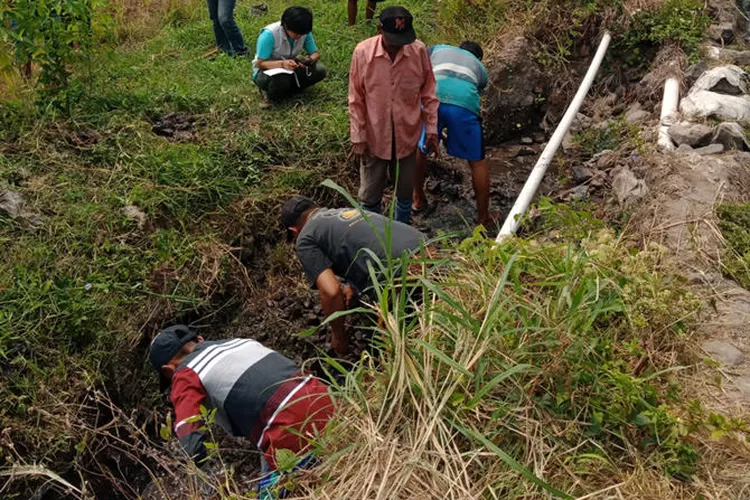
pixel 385 93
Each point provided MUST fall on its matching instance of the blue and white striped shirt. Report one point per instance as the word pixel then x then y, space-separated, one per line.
pixel 461 77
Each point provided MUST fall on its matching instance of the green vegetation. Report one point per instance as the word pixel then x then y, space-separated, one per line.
pixel 734 221
pixel 535 366
pixel 680 22
pixel 529 347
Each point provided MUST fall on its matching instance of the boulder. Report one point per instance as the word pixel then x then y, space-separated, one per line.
pixel 732 136
pixel 707 104
pixel 692 134
pixel 730 79
pixel 725 353
pixel 694 72
pixel 626 186
pixel 579 192
pixel 684 149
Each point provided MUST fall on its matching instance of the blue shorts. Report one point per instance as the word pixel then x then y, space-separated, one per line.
pixel 465 137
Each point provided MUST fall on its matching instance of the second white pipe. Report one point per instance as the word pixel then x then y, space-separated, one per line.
pixel 668 109
pixel 535 178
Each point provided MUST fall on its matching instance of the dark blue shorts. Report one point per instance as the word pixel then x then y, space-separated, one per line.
pixel 465 137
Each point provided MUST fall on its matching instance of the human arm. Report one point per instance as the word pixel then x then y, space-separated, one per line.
pixel 187 396
pixel 430 102
pixel 332 300
pixel 357 107
pixel 311 48
pixel 483 78
pixel 264 50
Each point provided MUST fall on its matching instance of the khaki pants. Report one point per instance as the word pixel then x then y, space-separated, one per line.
pixel 373 178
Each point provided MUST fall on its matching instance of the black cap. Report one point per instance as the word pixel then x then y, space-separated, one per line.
pixel 293 208
pixel 165 345
pixel 397 25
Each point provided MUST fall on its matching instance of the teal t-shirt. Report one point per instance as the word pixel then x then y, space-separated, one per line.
pixel 264 47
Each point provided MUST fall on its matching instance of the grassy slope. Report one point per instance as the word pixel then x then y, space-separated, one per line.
pixel 203 197
pixel 220 191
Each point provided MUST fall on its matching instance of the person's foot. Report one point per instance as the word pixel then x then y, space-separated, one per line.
pixel 265 103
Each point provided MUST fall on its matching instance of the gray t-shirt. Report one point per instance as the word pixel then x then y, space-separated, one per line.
pixel 336 237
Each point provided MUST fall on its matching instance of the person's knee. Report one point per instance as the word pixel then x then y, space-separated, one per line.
pixel 226 19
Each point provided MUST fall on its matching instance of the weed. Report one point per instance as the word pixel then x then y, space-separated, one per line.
pixel 734 221
pixel 682 22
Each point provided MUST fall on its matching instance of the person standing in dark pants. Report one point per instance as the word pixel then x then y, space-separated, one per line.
pixel 279 68
pixel 227 33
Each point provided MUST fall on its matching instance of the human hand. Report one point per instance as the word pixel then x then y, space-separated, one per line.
pixel 358 149
pixel 349 294
pixel 432 144
pixel 290 64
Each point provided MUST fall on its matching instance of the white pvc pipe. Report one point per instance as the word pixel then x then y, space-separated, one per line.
pixel 535 178
pixel 668 108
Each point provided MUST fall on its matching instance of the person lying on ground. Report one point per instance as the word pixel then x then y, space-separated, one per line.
pixel 391 93
pixel 257 393
pixel 369 11
pixel 226 32
pixel 461 77
pixel 333 243
pixel 280 68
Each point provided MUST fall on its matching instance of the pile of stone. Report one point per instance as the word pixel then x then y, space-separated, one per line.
pixel 714 113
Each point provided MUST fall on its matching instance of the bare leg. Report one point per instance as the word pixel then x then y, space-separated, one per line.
pixel 352 11
pixel 480 176
pixel 370 10
pixel 419 197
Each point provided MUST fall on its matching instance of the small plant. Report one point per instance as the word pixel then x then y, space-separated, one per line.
pixel 682 22
pixel 56 35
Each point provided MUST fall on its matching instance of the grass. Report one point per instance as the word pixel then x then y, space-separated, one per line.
pixel 734 221
pixel 82 291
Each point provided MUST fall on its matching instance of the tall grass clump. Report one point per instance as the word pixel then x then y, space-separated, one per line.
pixel 526 371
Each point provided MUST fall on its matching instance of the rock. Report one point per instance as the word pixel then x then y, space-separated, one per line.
pixel 539 138
pixel 684 149
pixel 12 202
pixel 723 352
pixel 136 214
pixel 626 186
pixel 743 384
pixel 637 116
pixel 736 57
pixel 527 140
pixel 731 136
pixel 694 72
pixel 722 33
pixel 730 79
pixel 580 122
pixel 712 149
pixel 605 125
pixel 568 141
pixel 14 205
pixel 579 192
pixel 693 134
pixel 706 104
pixel 604 160
pixel 581 174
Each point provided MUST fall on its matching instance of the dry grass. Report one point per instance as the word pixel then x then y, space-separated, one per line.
pixel 138 20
